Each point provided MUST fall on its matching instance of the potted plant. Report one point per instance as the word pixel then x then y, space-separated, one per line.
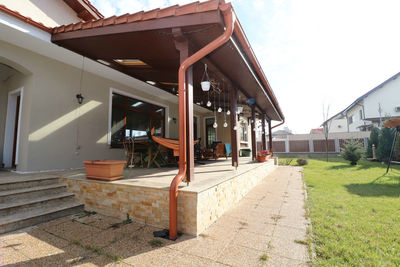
pixel 106 170
pixel 263 155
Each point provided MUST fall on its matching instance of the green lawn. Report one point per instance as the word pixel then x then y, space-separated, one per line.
pixel 355 214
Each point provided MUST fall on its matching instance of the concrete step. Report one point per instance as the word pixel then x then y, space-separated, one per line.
pixel 43 214
pixel 17 195
pixel 24 182
pixel 31 204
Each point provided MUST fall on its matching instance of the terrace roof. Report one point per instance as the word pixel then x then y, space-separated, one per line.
pixel 142 45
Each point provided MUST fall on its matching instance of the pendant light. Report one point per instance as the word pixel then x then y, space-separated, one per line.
pixel 208 102
pixel 215 125
pixel 219 101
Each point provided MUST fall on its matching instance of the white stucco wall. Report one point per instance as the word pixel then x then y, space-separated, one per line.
pixel 389 98
pixel 49 12
pixel 357 119
pixel 338 125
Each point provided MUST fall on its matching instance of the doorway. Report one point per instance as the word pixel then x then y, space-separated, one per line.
pixel 211 132
pixel 12 129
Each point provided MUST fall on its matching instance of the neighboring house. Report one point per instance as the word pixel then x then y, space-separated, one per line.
pixel 370 109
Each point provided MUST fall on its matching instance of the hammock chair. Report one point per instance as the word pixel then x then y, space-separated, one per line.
pixel 169 143
pixel 393 123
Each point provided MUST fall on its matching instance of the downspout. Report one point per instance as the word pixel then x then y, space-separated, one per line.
pixel 229 20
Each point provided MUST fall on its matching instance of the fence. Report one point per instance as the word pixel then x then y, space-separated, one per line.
pixel 316 143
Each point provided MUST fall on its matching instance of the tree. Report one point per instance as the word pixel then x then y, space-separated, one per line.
pixel 326 126
pixel 385 142
pixel 373 140
pixel 352 151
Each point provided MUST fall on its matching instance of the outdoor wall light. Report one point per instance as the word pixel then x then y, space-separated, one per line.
pixel 80 98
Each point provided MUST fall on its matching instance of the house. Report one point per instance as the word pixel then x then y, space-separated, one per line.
pixel 74 85
pixel 370 109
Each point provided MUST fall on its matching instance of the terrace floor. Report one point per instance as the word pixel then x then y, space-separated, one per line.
pixel 207 174
pixel 266 228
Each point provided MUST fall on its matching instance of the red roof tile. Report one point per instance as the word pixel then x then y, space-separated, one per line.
pixel 171 11
pixel 23 18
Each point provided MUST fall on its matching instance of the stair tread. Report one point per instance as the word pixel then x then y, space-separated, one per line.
pixel 37 212
pixel 30 189
pixel 14 180
pixel 35 200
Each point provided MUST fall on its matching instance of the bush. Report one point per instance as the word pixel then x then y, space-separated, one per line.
pixel 373 139
pixel 352 151
pixel 385 144
pixel 302 162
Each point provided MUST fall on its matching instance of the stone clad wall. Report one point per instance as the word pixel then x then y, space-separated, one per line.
pixel 215 201
pixel 196 210
pixel 146 205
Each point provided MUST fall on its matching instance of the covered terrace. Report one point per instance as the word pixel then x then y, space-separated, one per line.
pixel 169 49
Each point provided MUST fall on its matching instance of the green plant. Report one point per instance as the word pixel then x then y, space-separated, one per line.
pixel 385 144
pixel 285 162
pixel 352 151
pixel 264 257
pixel 373 139
pixel 302 162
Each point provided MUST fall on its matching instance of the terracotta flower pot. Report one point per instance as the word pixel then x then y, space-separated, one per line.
pixel 261 158
pixel 106 170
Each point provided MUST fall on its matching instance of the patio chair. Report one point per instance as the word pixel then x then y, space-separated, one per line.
pixel 130 154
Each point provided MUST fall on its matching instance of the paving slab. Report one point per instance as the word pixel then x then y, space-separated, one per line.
pixel 264 229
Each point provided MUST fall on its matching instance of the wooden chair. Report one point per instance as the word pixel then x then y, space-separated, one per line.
pixel 129 146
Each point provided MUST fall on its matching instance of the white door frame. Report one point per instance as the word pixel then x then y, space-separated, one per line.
pixel 10 127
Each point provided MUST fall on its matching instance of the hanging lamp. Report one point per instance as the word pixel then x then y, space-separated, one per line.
pixel 205 80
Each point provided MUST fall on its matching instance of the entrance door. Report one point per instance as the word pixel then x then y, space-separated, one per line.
pixel 12 129
pixel 211 133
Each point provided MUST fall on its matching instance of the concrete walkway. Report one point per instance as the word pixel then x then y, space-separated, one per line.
pixel 267 228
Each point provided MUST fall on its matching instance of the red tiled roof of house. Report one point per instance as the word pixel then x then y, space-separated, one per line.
pixel 158 13
pixel 25 19
pixel 317 131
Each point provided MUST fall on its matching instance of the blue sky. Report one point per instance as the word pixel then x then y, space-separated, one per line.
pixel 314 52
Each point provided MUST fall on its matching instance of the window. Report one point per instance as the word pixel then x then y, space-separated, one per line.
pixel 132 117
pixel 211 133
pixel 350 119
pixel 361 114
pixel 243 132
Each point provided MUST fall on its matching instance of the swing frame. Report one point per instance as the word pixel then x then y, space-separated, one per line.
pixel 393 123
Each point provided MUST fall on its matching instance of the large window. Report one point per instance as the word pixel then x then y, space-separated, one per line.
pixel 243 132
pixel 132 117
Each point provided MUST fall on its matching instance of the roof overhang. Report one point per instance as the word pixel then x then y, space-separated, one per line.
pixel 147 37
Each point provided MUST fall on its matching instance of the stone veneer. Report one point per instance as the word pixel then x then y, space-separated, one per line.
pixel 196 210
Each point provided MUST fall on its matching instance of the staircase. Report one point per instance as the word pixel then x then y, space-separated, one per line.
pixel 26 201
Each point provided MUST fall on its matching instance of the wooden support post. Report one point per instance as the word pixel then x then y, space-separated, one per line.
pixel 253 133
pixel 264 141
pixel 270 148
pixel 182 45
pixel 234 122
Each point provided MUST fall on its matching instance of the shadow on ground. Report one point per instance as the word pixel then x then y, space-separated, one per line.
pixel 388 186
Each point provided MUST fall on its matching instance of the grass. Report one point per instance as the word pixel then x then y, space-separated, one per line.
pixel 355 213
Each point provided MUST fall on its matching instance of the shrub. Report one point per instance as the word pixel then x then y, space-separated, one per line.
pixel 302 161
pixel 352 151
pixel 373 139
pixel 385 144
